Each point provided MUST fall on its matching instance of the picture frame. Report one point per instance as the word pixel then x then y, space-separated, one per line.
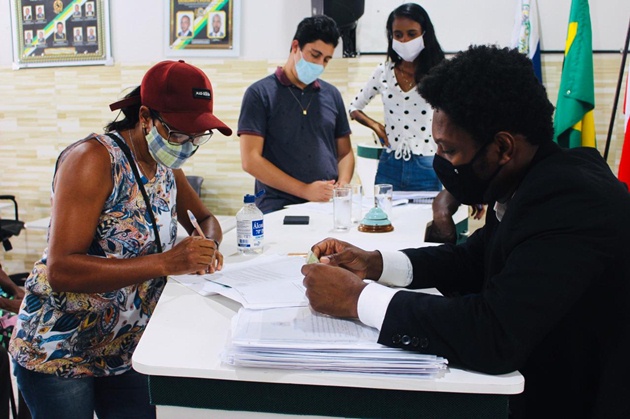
pixel 202 29
pixel 48 33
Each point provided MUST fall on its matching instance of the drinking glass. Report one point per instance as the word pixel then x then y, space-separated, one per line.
pixel 342 208
pixel 383 193
pixel 357 203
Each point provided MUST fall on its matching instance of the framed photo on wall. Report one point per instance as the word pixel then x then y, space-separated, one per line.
pixel 203 29
pixel 50 33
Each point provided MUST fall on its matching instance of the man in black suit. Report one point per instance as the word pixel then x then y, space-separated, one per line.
pixel 543 287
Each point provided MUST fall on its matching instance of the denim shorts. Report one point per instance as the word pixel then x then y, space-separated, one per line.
pixel 416 174
pixel 116 397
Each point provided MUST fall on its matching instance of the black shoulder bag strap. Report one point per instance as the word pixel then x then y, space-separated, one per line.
pixel 123 146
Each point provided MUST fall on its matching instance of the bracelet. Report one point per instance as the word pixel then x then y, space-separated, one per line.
pixel 215 242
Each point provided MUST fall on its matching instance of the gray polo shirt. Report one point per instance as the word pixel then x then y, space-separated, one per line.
pixel 300 129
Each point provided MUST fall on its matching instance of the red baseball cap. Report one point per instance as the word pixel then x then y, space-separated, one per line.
pixel 182 94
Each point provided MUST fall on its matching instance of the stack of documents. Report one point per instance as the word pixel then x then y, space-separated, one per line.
pixel 415 197
pixel 301 339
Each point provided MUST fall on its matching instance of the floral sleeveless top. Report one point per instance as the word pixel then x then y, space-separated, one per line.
pixel 95 335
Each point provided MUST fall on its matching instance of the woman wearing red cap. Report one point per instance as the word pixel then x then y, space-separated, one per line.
pixel 116 202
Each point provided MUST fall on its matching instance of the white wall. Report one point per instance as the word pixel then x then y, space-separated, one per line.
pixel 267 26
pixel 137 29
pixel 459 23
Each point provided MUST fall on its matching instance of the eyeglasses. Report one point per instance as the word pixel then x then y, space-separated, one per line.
pixel 180 138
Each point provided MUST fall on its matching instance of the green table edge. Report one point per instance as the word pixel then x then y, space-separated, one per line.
pixel 323 400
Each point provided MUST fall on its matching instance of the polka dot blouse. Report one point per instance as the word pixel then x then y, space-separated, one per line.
pixel 408 116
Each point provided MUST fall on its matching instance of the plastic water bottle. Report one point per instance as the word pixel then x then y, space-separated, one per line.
pixel 249 227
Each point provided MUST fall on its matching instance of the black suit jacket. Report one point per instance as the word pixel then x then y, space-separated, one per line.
pixel 546 291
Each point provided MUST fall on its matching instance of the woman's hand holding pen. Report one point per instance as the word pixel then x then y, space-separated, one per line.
pixel 217 261
pixel 194 254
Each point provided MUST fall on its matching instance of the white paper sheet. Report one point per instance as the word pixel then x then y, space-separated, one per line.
pixel 415 197
pixel 266 282
pixel 301 339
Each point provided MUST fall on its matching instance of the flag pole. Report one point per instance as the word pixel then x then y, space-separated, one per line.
pixel 614 110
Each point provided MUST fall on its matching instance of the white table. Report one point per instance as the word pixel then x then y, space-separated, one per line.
pixel 181 347
pixel 409 223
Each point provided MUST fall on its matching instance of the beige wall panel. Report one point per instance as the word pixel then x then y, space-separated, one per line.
pixel 44 110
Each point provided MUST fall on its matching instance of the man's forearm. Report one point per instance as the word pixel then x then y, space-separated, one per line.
pixel 269 174
pixel 345 168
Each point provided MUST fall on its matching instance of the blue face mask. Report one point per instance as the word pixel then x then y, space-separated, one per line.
pixel 307 71
pixel 163 152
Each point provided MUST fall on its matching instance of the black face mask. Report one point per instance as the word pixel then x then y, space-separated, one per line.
pixel 461 181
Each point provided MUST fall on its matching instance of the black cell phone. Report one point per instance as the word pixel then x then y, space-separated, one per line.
pixel 296 219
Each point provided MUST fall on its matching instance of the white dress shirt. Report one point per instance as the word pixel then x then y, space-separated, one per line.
pixel 375 298
pixel 397 272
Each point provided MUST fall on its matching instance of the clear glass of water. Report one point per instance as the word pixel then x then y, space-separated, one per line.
pixel 383 194
pixel 342 208
pixel 357 203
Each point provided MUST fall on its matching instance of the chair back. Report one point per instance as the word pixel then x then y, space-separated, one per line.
pixel 10 228
pixel 195 182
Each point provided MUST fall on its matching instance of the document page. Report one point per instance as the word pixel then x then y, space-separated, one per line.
pixel 264 282
pixel 300 339
pixel 416 197
pixel 300 327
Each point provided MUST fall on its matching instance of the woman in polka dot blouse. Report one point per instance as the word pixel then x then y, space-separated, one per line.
pixel 412 51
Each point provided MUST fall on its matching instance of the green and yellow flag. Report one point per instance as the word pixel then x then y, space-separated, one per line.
pixel 574 124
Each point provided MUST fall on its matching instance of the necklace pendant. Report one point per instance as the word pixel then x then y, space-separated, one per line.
pixel 304 112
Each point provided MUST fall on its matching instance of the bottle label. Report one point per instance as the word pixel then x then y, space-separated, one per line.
pixel 257 228
pixel 250 233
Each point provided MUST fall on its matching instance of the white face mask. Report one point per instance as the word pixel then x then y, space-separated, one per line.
pixel 409 50
pixel 307 72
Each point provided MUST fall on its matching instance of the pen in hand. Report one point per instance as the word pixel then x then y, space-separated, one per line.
pixel 195 224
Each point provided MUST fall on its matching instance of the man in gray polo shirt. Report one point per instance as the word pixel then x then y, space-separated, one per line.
pixel 293 128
